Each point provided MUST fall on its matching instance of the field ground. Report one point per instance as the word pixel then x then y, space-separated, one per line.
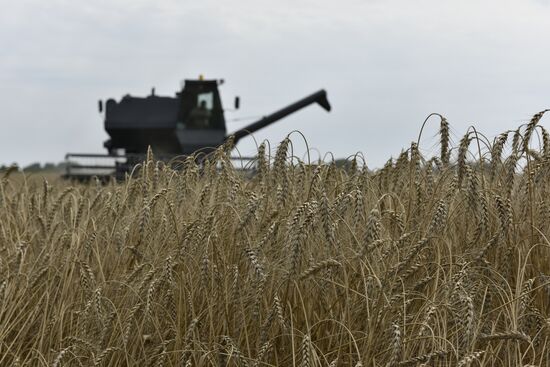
pixel 433 261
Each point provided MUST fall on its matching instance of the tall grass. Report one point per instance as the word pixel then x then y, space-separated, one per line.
pixel 438 260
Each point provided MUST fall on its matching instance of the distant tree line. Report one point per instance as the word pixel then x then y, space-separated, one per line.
pixel 35 167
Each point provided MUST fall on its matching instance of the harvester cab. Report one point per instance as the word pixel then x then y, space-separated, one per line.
pixel 192 121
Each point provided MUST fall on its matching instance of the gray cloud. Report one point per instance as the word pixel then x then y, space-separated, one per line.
pixel 385 64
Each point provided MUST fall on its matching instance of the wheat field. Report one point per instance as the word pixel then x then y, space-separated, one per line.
pixel 429 261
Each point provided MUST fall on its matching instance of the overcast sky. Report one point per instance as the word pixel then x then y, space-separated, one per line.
pixel 385 65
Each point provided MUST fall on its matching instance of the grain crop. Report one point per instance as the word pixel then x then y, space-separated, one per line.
pixel 429 261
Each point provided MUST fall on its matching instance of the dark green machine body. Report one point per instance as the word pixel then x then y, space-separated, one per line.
pixel 192 121
pixel 184 124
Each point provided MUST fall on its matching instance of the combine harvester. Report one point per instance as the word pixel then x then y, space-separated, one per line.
pixel 193 121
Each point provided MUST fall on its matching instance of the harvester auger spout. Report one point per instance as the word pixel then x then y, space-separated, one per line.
pixel 319 97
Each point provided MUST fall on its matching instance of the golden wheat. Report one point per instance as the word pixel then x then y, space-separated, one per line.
pixel 428 261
